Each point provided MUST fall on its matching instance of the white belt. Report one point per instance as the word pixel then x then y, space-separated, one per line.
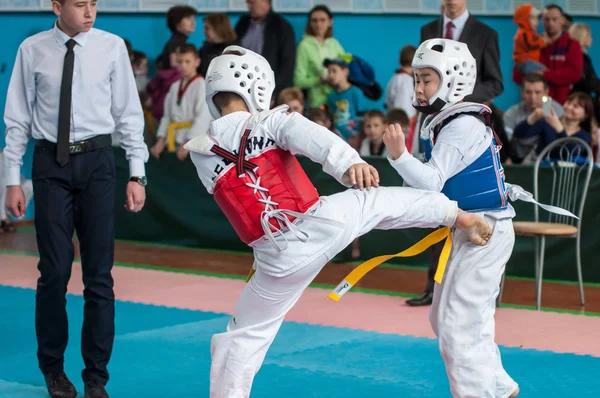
pixel 515 192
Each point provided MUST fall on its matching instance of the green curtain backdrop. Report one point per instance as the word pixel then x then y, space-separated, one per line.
pixel 179 211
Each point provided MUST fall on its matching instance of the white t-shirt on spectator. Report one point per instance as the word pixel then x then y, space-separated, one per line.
pixel 399 93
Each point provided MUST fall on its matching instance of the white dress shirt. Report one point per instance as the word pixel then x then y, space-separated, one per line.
pixel 104 96
pixel 459 25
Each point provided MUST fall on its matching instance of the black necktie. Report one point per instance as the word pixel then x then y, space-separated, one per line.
pixel 64 110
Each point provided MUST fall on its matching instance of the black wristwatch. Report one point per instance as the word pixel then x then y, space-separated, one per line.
pixel 143 181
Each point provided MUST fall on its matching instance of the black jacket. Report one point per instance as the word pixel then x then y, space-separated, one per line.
pixel 279 47
pixel 208 51
pixel 483 45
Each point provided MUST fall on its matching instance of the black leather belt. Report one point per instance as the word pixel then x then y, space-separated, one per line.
pixel 97 142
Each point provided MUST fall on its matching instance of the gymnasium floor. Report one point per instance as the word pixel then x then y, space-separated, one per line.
pixel 171 300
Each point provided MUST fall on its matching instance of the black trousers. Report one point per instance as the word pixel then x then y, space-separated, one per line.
pixel 80 197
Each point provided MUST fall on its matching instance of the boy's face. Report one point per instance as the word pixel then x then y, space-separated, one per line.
pixel 188 63
pixel 142 67
pixel 374 128
pixel 534 21
pixel 427 83
pixel 336 75
pixel 187 25
pixel 296 106
pixel 75 15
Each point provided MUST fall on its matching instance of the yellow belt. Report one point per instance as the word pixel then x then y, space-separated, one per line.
pixel 171 133
pixel 418 248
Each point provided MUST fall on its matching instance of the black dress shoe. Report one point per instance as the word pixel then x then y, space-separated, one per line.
pixel 424 299
pixel 94 389
pixel 59 386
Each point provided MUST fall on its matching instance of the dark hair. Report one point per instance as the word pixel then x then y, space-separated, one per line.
pixel 128 46
pixel 555 7
pixel 138 57
pixel 397 115
pixel 374 113
pixel 587 104
pixel 320 7
pixel 188 48
pixel 323 113
pixel 176 14
pixel 223 99
pixel 534 78
pixel 407 53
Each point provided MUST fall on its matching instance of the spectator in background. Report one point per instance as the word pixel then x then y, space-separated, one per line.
pixel 267 33
pixel 181 21
pixel 159 86
pixel 401 87
pixel 534 88
pixel 457 24
pixel 563 57
pixel 129 49
pixel 374 124
pixel 219 35
pixel 139 63
pixel 293 98
pixel 345 101
pixel 568 21
pixel 576 122
pixel 497 120
pixel 322 115
pixel 185 103
pixel 589 82
pixel 317 45
pixel 527 43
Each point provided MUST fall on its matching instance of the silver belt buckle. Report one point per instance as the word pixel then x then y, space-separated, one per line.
pixel 76 148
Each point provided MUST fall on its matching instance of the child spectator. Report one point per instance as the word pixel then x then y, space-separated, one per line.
pixel 408 124
pixel 345 101
pixel 139 62
pixel 186 113
pixel 374 124
pixel 527 43
pixel 400 88
pixel 159 86
pixel 293 98
pixel 181 21
pixel 323 116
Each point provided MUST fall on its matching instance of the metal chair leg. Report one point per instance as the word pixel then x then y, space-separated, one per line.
pixel 579 273
pixel 540 274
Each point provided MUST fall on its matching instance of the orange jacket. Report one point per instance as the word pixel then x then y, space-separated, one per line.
pixel 527 42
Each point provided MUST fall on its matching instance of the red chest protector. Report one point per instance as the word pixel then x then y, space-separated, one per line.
pixel 258 193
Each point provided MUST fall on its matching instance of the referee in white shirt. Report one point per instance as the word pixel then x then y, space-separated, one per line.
pixel 71 88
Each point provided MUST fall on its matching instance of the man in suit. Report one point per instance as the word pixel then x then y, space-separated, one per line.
pixel 457 24
pixel 267 33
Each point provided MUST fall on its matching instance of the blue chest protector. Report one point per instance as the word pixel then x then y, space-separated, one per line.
pixel 480 186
